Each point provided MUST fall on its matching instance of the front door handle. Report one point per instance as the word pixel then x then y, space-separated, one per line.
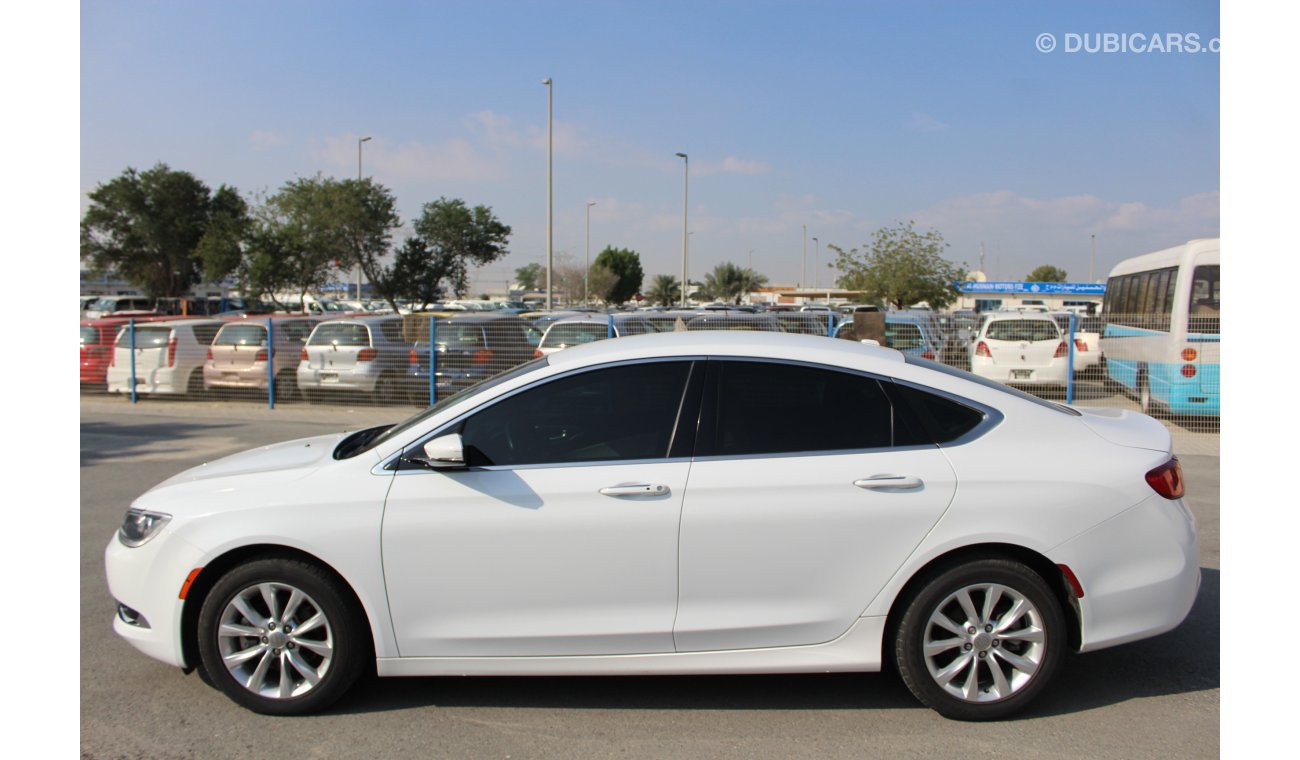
pixel 635 489
pixel 889 481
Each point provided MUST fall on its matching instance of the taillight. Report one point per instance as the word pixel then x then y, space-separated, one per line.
pixel 1079 345
pixel 261 355
pixel 483 356
pixel 367 354
pixel 1061 350
pixel 538 354
pixel 209 354
pixel 1167 479
pixel 1189 370
pixel 983 350
pixel 1189 354
pixel 171 353
pixel 414 358
pixel 303 356
pixel 928 355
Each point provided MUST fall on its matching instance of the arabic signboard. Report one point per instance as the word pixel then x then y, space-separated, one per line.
pixel 1038 288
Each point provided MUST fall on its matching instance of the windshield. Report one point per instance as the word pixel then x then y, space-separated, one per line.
pixel 456 399
pixel 340 335
pixel 1023 330
pixel 145 337
pixel 89 335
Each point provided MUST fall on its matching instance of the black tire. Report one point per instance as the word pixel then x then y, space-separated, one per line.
pixel 386 392
pixel 194 388
pixel 337 651
pixel 286 386
pixel 995 642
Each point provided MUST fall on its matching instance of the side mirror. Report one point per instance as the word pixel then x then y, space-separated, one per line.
pixel 446 452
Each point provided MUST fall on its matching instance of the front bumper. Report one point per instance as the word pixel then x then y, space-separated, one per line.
pixel 148 580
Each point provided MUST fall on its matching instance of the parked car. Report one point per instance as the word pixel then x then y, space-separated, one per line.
pixel 237 359
pixel 575 331
pixel 97 338
pixel 805 322
pixel 356 355
pixel 727 321
pixel 468 349
pixel 543 523
pixel 119 306
pixel 168 356
pixel 1025 348
pixel 1087 342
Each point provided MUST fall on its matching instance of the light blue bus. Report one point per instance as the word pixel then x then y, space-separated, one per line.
pixel 1161 339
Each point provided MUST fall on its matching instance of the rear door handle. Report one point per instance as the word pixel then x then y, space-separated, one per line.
pixel 635 489
pixel 889 481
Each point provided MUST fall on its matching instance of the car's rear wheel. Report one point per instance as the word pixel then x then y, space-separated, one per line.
pixel 281 637
pixel 981 640
pixel 195 385
pixel 286 386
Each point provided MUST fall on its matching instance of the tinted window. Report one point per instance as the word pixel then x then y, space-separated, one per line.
pixel 902 336
pixel 241 335
pixel 145 337
pixel 205 333
pixel 939 420
pixel 768 408
pixel 340 335
pixel 991 384
pixel 453 335
pixel 619 413
pixel 563 336
pixel 1022 330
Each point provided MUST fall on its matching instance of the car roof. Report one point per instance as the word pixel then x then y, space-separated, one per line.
pixel 772 345
pixel 1001 316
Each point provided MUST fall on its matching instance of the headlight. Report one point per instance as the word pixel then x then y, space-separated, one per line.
pixel 140 526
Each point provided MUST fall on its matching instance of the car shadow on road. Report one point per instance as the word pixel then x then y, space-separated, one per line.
pixel 1183 660
pixel 102 441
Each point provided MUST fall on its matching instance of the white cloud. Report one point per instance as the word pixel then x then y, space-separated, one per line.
pixel 452 159
pixel 264 140
pixel 925 123
pixel 731 165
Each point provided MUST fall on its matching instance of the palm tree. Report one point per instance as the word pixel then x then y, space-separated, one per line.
pixel 728 282
pixel 665 290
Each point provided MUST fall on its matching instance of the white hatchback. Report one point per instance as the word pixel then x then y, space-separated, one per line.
pixel 1021 348
pixel 168 356
pixel 703 502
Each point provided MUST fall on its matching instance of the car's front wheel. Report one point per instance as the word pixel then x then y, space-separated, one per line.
pixel 281 637
pixel 980 640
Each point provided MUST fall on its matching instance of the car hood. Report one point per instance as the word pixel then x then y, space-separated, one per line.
pixel 1124 427
pixel 295 457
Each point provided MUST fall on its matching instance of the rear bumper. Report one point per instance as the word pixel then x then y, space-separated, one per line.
pixel 1051 374
pixel 361 379
pixel 248 377
pixel 157 380
pixel 1140 572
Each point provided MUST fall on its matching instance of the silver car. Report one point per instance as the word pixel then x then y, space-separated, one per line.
pixel 357 355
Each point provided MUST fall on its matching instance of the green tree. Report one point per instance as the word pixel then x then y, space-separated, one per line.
pixel 528 276
pixel 449 238
pixel 900 266
pixel 1046 273
pixel 150 227
pixel 627 265
pixel 729 282
pixel 302 235
pixel 665 290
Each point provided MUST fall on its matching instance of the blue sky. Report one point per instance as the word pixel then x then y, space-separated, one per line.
pixel 843 117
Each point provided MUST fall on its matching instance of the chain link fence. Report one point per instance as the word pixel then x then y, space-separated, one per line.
pixel 1121 361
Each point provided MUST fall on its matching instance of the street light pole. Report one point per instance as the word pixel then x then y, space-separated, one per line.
pixel 364 139
pixel 549 166
pixel 817 263
pixel 686 178
pixel 803 273
pixel 586 273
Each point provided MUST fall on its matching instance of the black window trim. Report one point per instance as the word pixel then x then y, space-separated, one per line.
pixel 394 464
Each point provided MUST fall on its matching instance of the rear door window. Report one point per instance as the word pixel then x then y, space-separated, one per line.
pixel 241 335
pixel 773 408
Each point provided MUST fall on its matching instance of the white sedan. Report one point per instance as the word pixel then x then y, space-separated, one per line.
pixel 704 502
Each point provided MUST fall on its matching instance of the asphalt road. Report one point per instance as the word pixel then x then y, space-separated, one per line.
pixel 1155 698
